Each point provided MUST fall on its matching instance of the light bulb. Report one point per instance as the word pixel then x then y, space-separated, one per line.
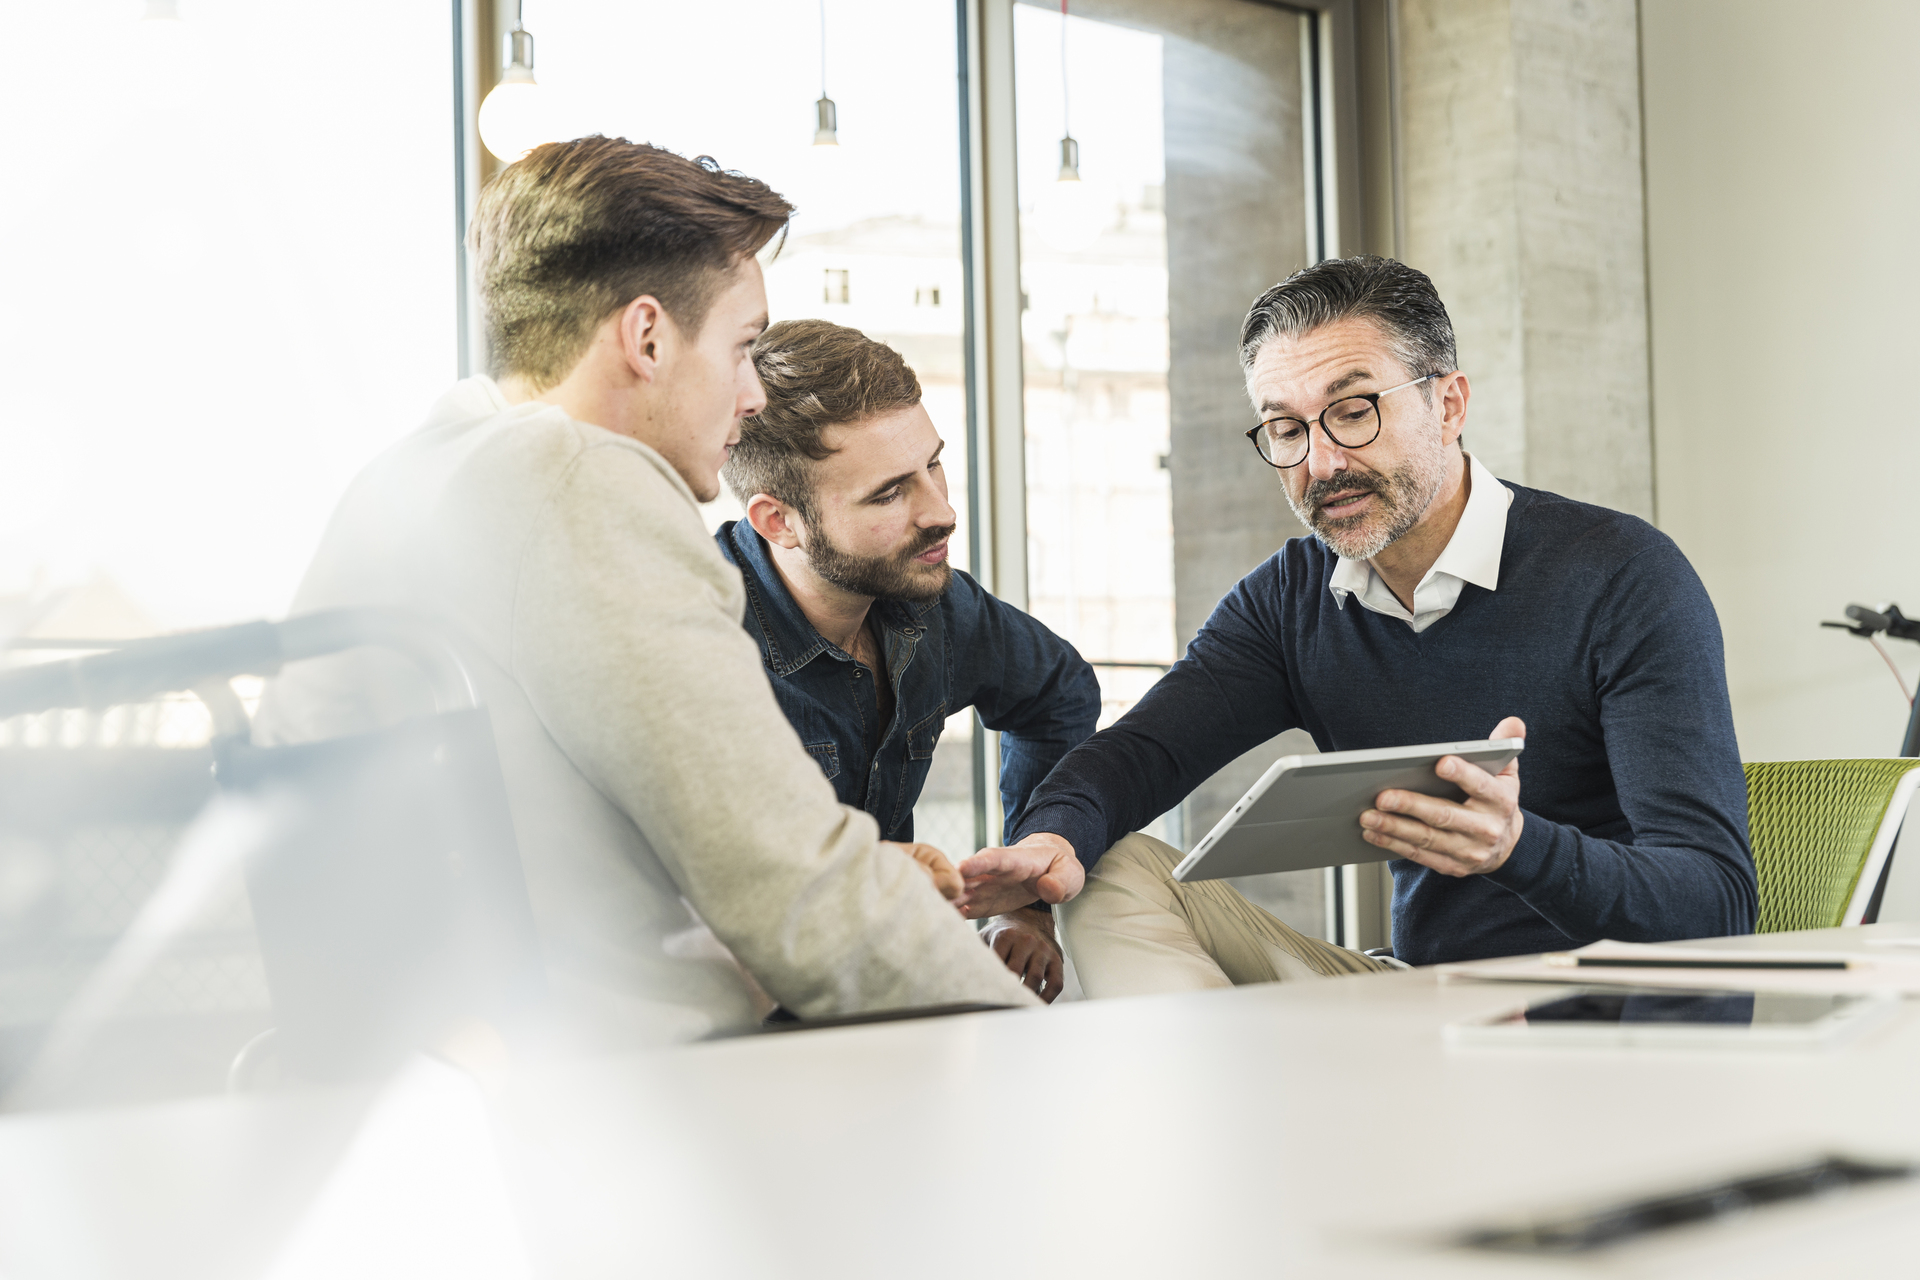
pixel 516 116
pixel 1069 214
pixel 160 36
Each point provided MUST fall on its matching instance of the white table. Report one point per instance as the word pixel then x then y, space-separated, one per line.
pixel 1316 1128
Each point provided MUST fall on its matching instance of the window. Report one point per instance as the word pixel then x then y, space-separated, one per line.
pixel 1188 202
pixel 214 323
pixel 883 205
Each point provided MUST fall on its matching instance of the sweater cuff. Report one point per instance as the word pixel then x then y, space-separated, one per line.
pixel 1530 863
pixel 1088 837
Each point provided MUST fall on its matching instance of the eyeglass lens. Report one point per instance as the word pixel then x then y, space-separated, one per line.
pixel 1353 424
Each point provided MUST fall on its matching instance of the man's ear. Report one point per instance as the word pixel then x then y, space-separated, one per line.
pixel 774 520
pixel 646 335
pixel 1453 407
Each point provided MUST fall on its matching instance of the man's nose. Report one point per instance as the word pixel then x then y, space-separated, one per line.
pixel 753 396
pixel 939 513
pixel 1325 459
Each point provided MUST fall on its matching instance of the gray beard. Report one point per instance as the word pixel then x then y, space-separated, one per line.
pixel 1402 497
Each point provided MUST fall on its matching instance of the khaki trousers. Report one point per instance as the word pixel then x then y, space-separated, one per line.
pixel 1134 930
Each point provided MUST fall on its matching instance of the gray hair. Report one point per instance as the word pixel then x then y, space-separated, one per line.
pixel 1395 297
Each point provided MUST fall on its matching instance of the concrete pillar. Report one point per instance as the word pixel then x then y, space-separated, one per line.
pixel 1523 199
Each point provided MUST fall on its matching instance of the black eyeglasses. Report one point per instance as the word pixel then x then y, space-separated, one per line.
pixel 1352 423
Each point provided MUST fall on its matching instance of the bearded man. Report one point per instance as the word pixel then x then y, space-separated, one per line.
pixel 1433 604
pixel 870 638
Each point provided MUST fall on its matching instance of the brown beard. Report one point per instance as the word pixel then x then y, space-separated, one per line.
pixel 893 576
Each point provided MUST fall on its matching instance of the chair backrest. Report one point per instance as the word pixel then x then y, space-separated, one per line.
pixel 1822 831
pixel 388 907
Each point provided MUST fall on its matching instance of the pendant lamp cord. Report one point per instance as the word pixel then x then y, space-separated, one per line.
pixel 823 48
pixel 1066 117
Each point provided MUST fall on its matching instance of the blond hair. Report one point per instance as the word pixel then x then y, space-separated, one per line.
pixel 574 231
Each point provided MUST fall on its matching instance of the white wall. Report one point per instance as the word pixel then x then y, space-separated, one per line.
pixel 1783 232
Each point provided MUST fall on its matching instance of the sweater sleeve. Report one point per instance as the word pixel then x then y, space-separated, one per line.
pixel 627 640
pixel 1029 685
pixel 1225 697
pixel 1660 677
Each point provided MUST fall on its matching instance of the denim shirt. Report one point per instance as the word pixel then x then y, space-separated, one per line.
pixel 966 649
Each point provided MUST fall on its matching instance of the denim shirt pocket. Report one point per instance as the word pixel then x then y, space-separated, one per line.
pixel 925 736
pixel 827 756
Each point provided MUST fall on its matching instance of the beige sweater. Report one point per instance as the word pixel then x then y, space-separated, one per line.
pixel 650 773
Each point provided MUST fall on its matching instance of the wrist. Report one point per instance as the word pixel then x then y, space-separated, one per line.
pixel 1036 916
pixel 1047 840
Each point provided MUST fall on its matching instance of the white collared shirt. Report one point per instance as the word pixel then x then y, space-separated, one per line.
pixel 1472 554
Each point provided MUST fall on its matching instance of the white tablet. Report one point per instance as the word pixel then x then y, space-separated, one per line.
pixel 1305 811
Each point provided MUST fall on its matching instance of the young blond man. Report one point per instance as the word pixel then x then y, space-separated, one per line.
pixel 677 841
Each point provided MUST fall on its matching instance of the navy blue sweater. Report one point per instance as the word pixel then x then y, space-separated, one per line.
pixel 1600 637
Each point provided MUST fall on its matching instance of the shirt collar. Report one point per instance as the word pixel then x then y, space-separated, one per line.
pixel 790 640
pixel 1472 554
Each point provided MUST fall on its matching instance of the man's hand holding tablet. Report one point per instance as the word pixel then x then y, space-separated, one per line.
pixel 1455 838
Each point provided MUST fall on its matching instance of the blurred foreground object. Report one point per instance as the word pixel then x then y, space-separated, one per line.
pixel 381 870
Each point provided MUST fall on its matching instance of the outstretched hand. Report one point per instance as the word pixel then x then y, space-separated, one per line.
pixel 1455 838
pixel 1042 866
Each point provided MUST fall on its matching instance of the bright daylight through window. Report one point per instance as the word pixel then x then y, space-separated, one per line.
pixel 875 243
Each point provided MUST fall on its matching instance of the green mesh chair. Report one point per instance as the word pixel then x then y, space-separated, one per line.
pixel 1822 832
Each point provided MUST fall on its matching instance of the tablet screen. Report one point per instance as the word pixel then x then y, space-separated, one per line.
pixel 1683 1008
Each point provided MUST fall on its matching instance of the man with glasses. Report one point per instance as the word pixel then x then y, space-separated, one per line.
pixel 1433 604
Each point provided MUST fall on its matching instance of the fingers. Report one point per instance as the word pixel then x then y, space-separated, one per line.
pixel 1029 952
pixel 1471 818
pixel 1039 968
pixel 1021 952
pixel 945 878
pixel 1477 842
pixel 1418 842
pixel 995 898
pixel 1062 882
pixel 1453 838
pixel 1005 879
pixel 1021 862
pixel 1475 781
